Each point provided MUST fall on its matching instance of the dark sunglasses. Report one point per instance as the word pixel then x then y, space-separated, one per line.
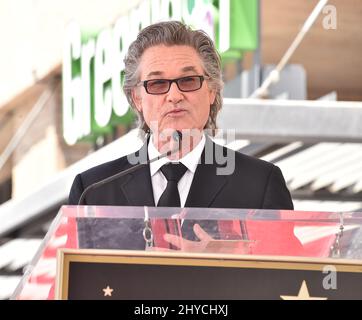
pixel 184 84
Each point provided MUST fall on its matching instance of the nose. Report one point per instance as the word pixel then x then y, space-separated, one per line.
pixel 174 95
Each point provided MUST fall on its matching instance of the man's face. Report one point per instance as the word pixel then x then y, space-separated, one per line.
pixel 175 109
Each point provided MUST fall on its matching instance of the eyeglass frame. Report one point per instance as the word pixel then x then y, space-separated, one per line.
pixel 170 81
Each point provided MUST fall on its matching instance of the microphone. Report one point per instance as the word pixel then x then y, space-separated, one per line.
pixel 176 136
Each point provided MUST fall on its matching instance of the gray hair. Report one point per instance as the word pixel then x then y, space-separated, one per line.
pixel 174 33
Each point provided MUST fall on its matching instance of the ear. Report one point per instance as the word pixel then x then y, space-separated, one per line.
pixel 212 96
pixel 137 99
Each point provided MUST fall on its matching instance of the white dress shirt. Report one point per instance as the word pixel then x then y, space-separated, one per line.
pixel 190 161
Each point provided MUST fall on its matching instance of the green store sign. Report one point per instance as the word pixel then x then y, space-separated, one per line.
pixel 93 69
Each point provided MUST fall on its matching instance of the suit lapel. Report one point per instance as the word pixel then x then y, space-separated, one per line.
pixel 206 183
pixel 137 186
pixel 205 186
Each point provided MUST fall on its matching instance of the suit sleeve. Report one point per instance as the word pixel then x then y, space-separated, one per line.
pixel 277 195
pixel 76 191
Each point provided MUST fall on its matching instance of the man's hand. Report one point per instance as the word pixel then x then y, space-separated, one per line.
pixel 190 246
pixel 209 244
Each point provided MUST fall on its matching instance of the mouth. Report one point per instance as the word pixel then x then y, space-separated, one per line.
pixel 176 112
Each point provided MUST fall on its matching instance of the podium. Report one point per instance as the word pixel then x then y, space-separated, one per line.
pixel 148 253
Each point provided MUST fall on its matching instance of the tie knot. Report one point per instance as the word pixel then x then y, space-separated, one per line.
pixel 173 171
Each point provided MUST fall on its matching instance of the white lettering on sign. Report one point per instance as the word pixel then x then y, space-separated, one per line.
pixel 73 124
pixel 90 97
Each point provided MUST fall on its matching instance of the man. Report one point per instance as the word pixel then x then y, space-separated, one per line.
pixel 173 81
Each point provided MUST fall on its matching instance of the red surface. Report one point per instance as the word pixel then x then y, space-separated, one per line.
pixel 271 238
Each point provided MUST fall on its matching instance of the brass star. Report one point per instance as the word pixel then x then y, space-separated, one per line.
pixel 303 294
pixel 108 291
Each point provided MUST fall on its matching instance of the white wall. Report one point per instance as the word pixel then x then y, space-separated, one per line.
pixel 32 32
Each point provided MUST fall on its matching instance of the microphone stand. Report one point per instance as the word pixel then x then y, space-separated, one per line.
pixel 177 136
pixel 121 174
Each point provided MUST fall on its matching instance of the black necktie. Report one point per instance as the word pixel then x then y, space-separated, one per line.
pixel 173 172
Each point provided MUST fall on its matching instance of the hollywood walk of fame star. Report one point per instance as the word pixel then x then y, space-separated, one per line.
pixel 108 291
pixel 303 294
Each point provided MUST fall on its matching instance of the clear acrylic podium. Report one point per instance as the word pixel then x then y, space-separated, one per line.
pixel 253 235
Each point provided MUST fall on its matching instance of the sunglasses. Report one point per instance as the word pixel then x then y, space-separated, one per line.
pixel 184 84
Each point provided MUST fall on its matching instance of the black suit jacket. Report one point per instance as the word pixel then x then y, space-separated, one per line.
pixel 254 184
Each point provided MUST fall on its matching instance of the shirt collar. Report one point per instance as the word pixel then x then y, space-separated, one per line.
pixel 190 160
